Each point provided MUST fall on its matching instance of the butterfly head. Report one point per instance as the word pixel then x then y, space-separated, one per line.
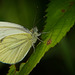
pixel 35 32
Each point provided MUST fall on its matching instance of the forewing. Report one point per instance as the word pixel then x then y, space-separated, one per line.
pixel 7 29
pixel 14 48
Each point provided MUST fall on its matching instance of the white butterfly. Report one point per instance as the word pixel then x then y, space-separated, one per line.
pixel 15 42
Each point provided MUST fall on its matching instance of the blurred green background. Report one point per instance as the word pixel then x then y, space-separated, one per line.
pixel 59 60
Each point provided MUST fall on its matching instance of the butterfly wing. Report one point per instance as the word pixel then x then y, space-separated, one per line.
pixel 14 42
pixel 14 48
pixel 7 29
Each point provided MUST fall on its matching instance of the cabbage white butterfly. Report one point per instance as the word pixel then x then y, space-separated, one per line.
pixel 15 42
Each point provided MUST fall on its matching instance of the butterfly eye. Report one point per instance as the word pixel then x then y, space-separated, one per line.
pixel 35 29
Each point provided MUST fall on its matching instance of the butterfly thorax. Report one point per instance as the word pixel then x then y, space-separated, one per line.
pixel 35 34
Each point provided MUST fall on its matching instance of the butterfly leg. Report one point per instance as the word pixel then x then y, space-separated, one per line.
pixel 33 47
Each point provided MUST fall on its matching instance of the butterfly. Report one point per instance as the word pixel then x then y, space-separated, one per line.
pixel 15 42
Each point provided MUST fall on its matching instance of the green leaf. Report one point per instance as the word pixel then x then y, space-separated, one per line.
pixel 12 70
pixel 60 18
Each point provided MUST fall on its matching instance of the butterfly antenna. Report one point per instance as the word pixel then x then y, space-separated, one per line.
pixel 39 21
pixel 34 20
pixel 35 17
